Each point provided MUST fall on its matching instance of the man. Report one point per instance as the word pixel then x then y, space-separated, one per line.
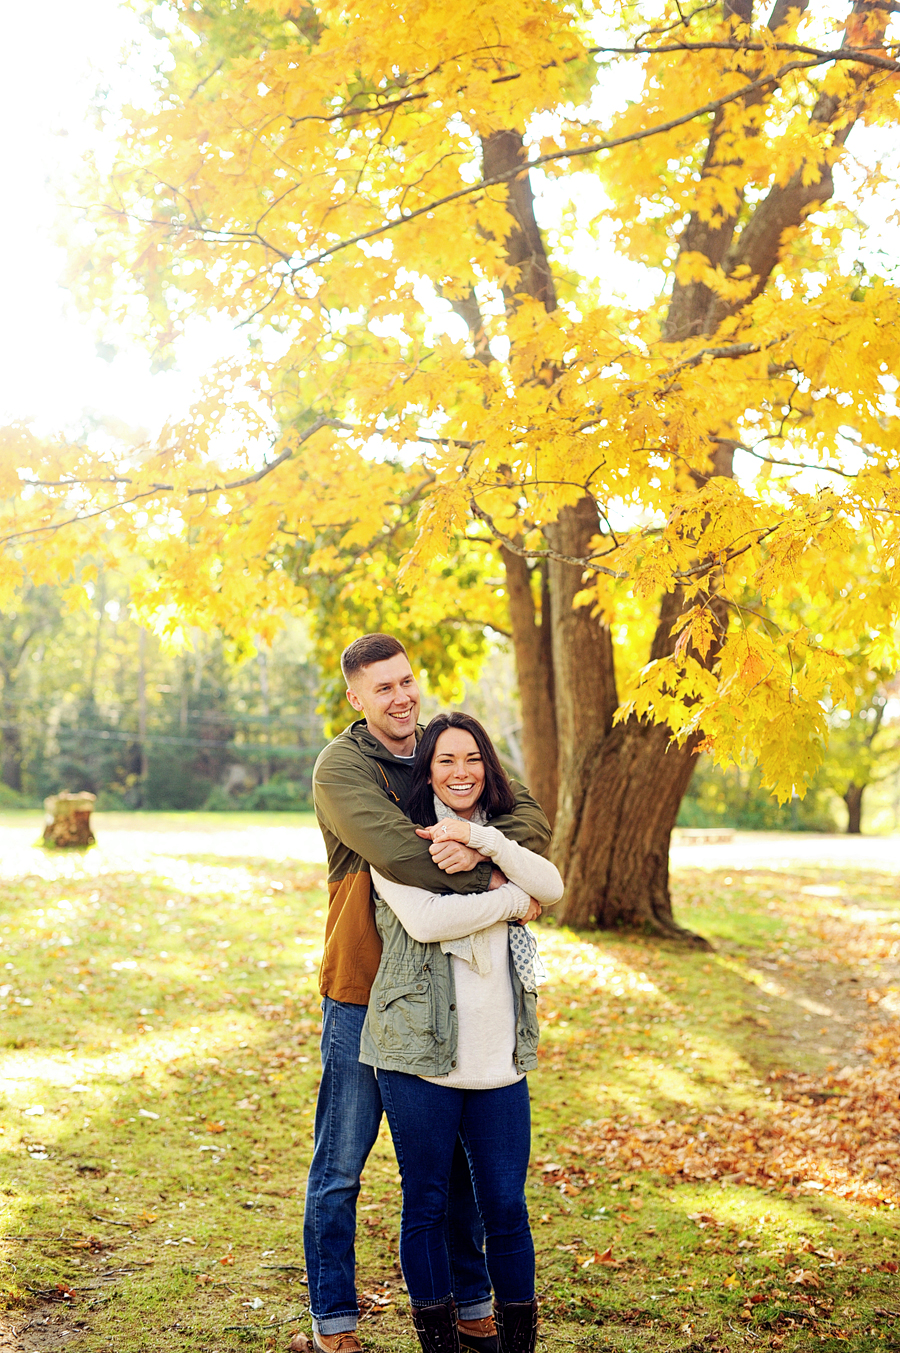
pixel 360 786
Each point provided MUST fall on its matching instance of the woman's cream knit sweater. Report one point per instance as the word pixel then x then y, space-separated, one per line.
pixel 484 1003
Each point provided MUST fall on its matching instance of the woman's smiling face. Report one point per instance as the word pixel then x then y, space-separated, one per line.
pixel 457 771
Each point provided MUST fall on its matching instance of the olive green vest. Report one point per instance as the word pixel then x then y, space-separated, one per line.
pixel 411 1024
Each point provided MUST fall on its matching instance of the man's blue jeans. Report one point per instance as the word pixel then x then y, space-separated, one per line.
pixel 427 1122
pixel 348 1113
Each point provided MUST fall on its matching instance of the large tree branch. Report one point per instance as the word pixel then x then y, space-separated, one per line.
pixel 495 180
pixel 869 56
pixel 469 311
pixel 504 160
pixel 204 488
pixel 758 249
pixel 726 352
pixel 711 234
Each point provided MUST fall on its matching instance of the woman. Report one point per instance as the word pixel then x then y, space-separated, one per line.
pixel 452 1030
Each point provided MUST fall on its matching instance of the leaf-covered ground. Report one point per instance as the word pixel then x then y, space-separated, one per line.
pixel 717 1137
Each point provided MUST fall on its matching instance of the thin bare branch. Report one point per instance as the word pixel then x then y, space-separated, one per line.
pixel 215 70
pixel 732 350
pixel 587 562
pixel 272 465
pixel 864 55
pixel 795 464
pixel 154 489
pixel 72 483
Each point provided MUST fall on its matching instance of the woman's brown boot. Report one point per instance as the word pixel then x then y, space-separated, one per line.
pixel 436 1327
pixel 517 1326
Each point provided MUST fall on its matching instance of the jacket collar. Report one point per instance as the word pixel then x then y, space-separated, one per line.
pixel 370 745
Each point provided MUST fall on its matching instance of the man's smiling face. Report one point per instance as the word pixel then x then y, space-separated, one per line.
pixel 387 694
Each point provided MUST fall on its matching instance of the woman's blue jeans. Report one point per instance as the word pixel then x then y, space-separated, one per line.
pixel 348 1112
pixel 426 1120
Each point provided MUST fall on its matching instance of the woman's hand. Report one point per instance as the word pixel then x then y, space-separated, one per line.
pixel 449 846
pixel 450 829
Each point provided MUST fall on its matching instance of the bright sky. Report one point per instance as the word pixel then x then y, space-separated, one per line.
pixel 50 369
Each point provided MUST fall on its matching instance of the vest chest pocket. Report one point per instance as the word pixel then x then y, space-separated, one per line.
pixel 526 1032
pixel 403 1015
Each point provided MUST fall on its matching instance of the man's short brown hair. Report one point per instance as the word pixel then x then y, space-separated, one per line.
pixel 367 649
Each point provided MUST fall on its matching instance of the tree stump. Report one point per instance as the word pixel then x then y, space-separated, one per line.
pixel 68 819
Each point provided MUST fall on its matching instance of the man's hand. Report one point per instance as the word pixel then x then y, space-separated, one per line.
pixel 498 878
pixel 453 857
pixel 533 912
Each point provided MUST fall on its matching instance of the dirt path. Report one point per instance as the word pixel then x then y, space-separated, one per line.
pixel 836 968
pixel 46 1326
pixel 784 851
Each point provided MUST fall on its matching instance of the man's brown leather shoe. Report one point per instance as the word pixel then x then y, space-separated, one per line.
pixel 479 1336
pixel 345 1342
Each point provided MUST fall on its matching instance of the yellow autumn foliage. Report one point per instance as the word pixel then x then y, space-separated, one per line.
pixel 319 175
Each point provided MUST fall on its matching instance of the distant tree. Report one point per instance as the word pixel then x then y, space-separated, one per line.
pixel 733 796
pixel 91 753
pixel 863 747
pixel 70 702
pixel 31 617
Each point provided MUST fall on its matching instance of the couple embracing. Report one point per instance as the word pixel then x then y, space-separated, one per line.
pixel 435 862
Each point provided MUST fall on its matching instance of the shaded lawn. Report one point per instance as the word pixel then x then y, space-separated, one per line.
pixel 122 820
pixel 715 1156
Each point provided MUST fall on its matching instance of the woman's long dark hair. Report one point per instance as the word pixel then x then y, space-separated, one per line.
pixel 497 796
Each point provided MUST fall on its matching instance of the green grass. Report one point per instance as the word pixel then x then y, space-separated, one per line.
pixel 165 1021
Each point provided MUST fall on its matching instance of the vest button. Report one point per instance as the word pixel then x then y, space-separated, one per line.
pixel 452 1007
pixel 420 987
pixel 453 1063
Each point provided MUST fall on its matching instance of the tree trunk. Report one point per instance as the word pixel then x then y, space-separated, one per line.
pixel 622 808
pixel 68 820
pixel 853 799
pixel 142 713
pixel 266 766
pixel 540 748
pixel 98 637
pixel 620 787
pixel 583 672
